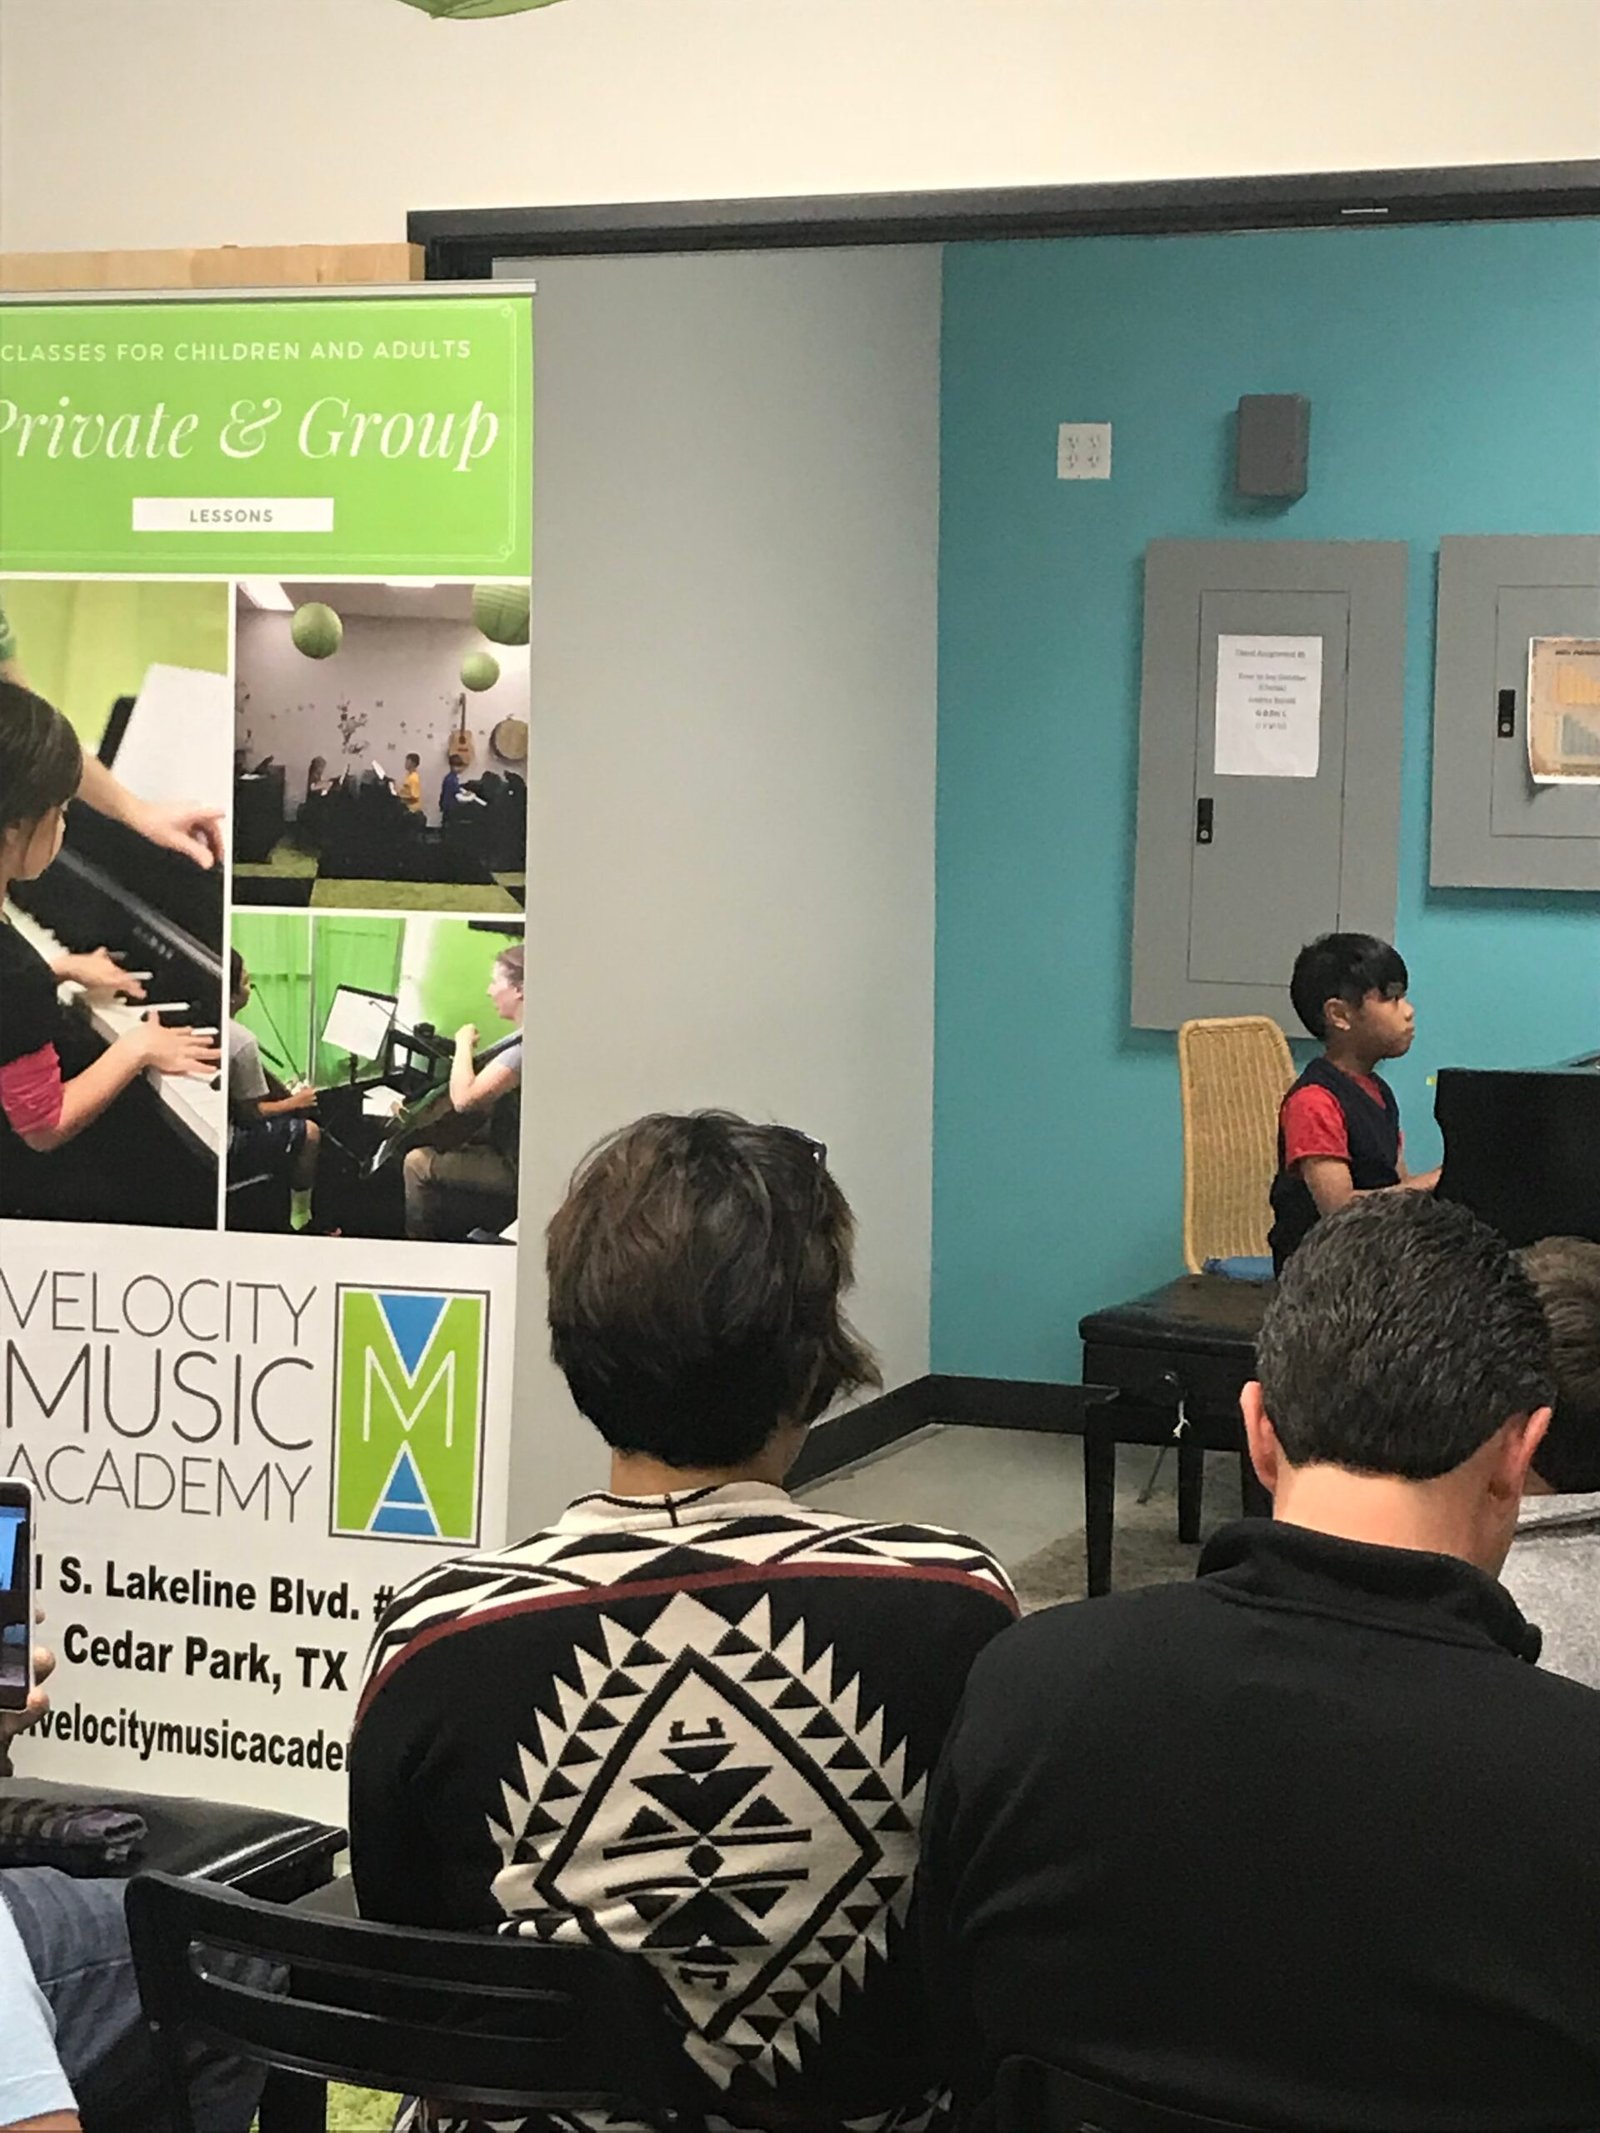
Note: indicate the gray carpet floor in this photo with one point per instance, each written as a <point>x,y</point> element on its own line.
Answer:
<point>1146,1551</point>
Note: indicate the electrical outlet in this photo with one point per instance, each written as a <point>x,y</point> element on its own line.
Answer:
<point>1083,451</point>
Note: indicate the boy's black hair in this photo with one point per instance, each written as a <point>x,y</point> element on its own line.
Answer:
<point>1344,966</point>
<point>235,968</point>
<point>1566,1273</point>
<point>41,759</point>
<point>1402,1335</point>
<point>413,758</point>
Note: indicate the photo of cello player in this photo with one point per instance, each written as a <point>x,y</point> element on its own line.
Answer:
<point>463,1176</point>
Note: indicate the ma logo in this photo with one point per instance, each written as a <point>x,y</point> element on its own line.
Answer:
<point>408,1414</point>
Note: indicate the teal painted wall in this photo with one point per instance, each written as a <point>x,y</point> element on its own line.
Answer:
<point>1454,375</point>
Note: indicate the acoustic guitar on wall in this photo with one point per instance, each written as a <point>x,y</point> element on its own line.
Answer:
<point>460,748</point>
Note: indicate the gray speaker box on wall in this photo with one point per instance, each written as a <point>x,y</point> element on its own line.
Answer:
<point>1273,445</point>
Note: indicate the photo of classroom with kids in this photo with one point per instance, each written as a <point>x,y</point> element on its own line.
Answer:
<point>374,1075</point>
<point>380,749</point>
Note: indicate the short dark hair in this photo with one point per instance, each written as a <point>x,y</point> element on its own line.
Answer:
<point>696,1270</point>
<point>41,758</point>
<point>1402,1335</point>
<point>413,758</point>
<point>1344,966</point>
<point>1566,1273</point>
<point>235,968</point>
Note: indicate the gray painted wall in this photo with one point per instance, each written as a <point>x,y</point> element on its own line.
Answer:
<point>730,888</point>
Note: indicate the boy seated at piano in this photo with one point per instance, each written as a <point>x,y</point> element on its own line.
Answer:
<point>453,791</point>
<point>272,1131</point>
<point>1339,1126</point>
<point>52,1122</point>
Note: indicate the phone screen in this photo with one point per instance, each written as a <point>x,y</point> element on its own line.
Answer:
<point>16,1595</point>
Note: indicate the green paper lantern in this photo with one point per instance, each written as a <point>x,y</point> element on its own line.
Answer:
<point>474,10</point>
<point>316,630</point>
<point>501,612</point>
<point>479,671</point>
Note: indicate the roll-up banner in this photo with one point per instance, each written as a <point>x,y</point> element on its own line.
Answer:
<point>267,562</point>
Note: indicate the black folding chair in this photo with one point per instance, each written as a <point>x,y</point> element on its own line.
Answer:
<point>498,2025</point>
<point>1031,2097</point>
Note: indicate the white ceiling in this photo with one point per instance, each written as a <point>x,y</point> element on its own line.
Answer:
<point>447,603</point>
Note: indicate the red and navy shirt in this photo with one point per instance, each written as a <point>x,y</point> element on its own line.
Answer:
<point>1351,1118</point>
<point>698,1728</point>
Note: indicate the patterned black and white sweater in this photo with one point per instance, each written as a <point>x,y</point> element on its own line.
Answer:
<point>699,1727</point>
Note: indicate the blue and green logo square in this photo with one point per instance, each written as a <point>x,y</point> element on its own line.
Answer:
<point>410,1370</point>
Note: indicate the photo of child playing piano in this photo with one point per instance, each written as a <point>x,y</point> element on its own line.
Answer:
<point>78,1108</point>
<point>375,1075</point>
<point>124,924</point>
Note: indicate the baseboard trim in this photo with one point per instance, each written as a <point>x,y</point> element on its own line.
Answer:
<point>1010,1403</point>
<point>975,1403</point>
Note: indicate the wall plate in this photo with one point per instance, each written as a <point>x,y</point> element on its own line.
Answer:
<point>1083,451</point>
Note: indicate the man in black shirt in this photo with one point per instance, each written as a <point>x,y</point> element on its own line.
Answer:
<point>1310,1842</point>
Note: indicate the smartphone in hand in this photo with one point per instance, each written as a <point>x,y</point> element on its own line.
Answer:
<point>16,1595</point>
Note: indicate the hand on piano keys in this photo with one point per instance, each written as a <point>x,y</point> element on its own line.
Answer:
<point>192,1053</point>
<point>99,971</point>
<point>199,1112</point>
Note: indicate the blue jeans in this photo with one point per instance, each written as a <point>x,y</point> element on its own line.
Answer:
<point>77,1940</point>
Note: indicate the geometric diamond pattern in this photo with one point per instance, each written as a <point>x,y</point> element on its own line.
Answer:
<point>586,1552</point>
<point>759,1860</point>
<point>702,1830</point>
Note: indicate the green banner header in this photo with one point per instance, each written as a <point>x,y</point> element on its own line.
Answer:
<point>309,436</point>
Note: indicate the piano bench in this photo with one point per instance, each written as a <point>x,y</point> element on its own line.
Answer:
<point>1171,1365</point>
<point>275,1857</point>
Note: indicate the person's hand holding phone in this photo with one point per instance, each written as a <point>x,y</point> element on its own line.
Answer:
<point>13,1723</point>
<point>19,1706</point>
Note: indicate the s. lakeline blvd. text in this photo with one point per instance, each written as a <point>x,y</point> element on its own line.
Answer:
<point>199,1587</point>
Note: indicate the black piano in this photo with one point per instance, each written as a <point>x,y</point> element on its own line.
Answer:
<point>155,911</point>
<point>1522,1147</point>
